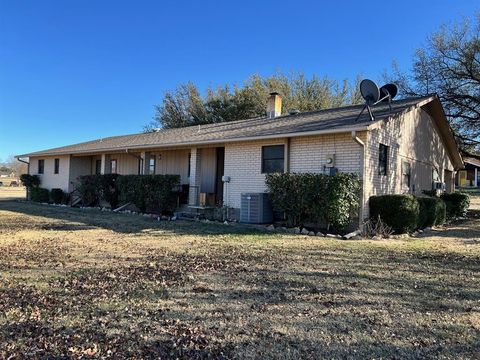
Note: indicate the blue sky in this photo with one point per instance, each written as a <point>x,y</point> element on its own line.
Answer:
<point>72,71</point>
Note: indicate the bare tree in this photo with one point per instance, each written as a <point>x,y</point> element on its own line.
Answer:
<point>449,65</point>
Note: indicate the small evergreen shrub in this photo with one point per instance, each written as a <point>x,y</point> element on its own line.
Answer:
<point>57,196</point>
<point>38,194</point>
<point>149,192</point>
<point>432,212</point>
<point>315,198</point>
<point>457,204</point>
<point>30,181</point>
<point>400,212</point>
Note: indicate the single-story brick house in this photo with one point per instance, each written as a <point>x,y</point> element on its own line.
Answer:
<point>406,148</point>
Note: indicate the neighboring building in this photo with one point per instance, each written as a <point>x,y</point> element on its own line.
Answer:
<point>470,176</point>
<point>409,148</point>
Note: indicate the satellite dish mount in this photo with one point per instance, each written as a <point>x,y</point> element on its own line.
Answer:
<point>374,95</point>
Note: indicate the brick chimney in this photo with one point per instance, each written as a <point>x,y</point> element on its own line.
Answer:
<point>274,105</point>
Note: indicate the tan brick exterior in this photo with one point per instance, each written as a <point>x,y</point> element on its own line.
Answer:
<point>243,160</point>
<point>411,138</point>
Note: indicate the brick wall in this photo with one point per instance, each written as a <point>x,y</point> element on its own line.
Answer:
<point>412,138</point>
<point>243,160</point>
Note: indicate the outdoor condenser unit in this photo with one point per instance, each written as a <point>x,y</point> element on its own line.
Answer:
<point>255,208</point>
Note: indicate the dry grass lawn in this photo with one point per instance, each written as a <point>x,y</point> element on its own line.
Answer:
<point>88,284</point>
<point>11,193</point>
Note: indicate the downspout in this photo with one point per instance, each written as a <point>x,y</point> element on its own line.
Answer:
<point>362,195</point>
<point>140,169</point>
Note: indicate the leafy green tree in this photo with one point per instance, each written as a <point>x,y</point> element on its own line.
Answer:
<point>185,106</point>
<point>449,65</point>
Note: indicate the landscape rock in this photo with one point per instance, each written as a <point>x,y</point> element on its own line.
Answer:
<point>270,227</point>
<point>304,231</point>
<point>311,233</point>
<point>296,230</point>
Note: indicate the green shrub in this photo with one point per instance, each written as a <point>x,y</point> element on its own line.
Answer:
<point>432,212</point>
<point>57,196</point>
<point>457,204</point>
<point>149,192</point>
<point>94,188</point>
<point>400,212</point>
<point>90,189</point>
<point>39,195</point>
<point>316,198</point>
<point>109,190</point>
<point>30,181</point>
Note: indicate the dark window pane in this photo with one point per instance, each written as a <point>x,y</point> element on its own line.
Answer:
<point>41,166</point>
<point>273,159</point>
<point>382,159</point>
<point>56,168</point>
<point>273,152</point>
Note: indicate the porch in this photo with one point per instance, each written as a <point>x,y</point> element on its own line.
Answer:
<point>200,169</point>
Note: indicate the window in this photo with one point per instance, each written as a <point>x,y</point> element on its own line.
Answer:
<point>56,167</point>
<point>406,175</point>
<point>41,166</point>
<point>113,166</point>
<point>151,165</point>
<point>382,159</point>
<point>98,167</point>
<point>273,159</point>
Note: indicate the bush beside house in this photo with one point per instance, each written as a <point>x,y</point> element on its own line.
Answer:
<point>147,192</point>
<point>457,204</point>
<point>405,213</point>
<point>400,212</point>
<point>315,198</point>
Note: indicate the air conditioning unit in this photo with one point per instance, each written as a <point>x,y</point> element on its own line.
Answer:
<point>438,185</point>
<point>255,208</point>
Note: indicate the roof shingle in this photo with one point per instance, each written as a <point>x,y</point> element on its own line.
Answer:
<point>328,120</point>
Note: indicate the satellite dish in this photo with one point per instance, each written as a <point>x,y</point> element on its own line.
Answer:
<point>370,91</point>
<point>388,92</point>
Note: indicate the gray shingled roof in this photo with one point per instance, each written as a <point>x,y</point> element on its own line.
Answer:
<point>342,119</point>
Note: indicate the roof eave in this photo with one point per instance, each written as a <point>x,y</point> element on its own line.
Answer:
<point>196,143</point>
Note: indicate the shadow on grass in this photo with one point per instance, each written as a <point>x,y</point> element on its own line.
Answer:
<point>71,219</point>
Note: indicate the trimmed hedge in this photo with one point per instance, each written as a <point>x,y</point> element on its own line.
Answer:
<point>457,204</point>
<point>38,194</point>
<point>405,213</point>
<point>400,212</point>
<point>90,189</point>
<point>149,192</point>
<point>432,212</point>
<point>57,196</point>
<point>315,198</point>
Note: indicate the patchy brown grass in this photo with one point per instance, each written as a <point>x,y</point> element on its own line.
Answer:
<point>11,193</point>
<point>89,284</point>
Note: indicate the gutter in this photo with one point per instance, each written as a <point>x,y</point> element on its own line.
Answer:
<point>362,196</point>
